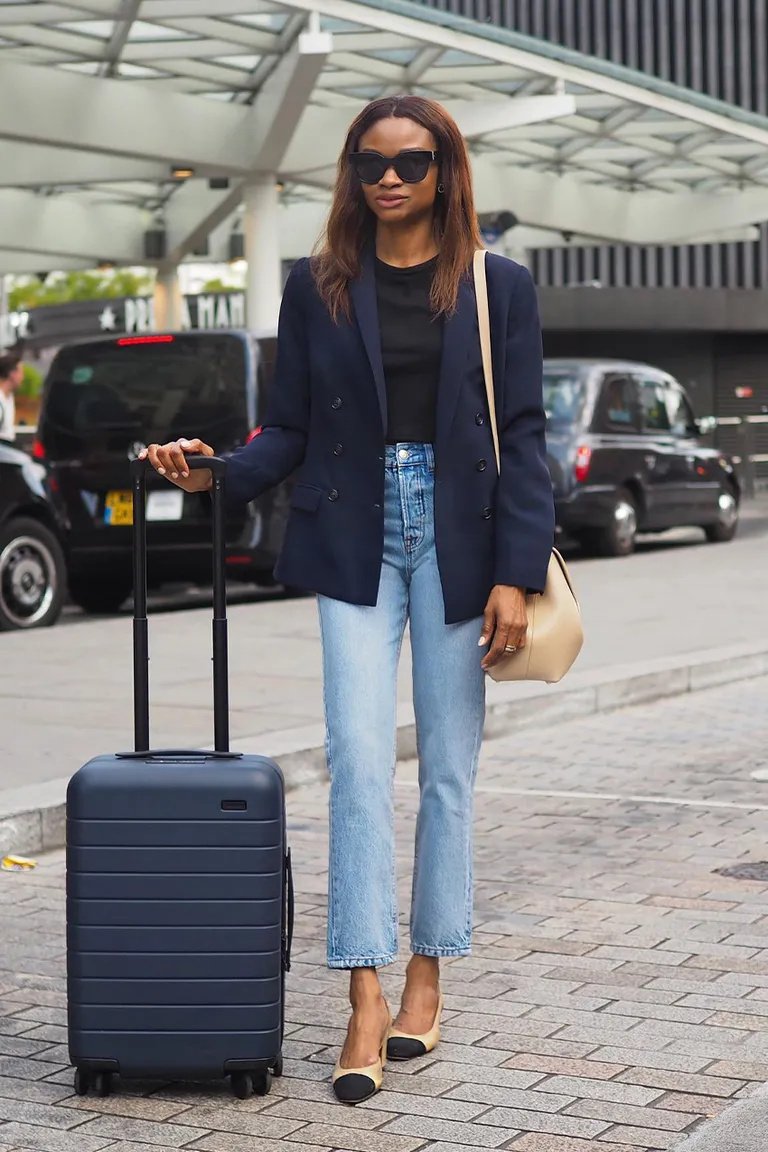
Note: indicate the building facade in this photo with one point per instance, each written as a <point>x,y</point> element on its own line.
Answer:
<point>700,310</point>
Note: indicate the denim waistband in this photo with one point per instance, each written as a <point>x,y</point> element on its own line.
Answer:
<point>410,456</point>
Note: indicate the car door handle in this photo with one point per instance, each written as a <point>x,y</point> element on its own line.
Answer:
<point>650,461</point>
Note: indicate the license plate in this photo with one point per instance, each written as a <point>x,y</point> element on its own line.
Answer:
<point>165,505</point>
<point>118,508</point>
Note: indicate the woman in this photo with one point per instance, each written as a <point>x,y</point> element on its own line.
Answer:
<point>398,515</point>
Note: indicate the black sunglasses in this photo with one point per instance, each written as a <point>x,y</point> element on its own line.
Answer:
<point>411,165</point>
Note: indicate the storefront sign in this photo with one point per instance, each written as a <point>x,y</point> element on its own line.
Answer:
<point>83,319</point>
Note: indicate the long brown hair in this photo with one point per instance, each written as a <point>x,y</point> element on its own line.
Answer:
<point>351,225</point>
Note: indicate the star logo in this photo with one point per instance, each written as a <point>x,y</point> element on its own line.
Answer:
<point>108,319</point>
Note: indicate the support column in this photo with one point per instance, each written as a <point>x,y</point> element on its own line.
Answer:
<point>167,300</point>
<point>263,278</point>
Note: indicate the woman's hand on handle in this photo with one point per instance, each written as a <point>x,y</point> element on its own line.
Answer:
<point>169,460</point>
<point>505,623</point>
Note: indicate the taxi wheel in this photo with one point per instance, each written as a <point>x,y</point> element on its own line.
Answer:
<point>724,528</point>
<point>32,574</point>
<point>617,538</point>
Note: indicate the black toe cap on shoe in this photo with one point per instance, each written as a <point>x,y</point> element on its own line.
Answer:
<point>403,1048</point>
<point>353,1088</point>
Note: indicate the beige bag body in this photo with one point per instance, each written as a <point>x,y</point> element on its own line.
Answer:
<point>555,633</point>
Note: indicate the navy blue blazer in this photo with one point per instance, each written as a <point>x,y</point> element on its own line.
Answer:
<point>327,417</point>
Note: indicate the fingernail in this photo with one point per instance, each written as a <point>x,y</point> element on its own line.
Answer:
<point>161,471</point>
<point>174,475</point>
<point>481,642</point>
<point>184,443</point>
<point>143,454</point>
<point>185,473</point>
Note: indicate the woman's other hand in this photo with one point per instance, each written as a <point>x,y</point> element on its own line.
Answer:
<point>169,460</point>
<point>505,623</point>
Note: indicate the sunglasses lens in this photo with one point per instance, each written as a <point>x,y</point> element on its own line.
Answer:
<point>369,167</point>
<point>412,167</point>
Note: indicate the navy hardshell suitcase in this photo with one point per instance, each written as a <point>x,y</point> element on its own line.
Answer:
<point>179,892</point>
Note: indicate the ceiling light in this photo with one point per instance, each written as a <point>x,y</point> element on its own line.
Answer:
<point>181,172</point>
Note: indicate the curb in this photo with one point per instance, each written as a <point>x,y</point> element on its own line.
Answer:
<point>740,1128</point>
<point>33,819</point>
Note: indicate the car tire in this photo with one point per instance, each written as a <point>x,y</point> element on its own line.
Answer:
<point>100,595</point>
<point>32,575</point>
<point>618,537</point>
<point>727,523</point>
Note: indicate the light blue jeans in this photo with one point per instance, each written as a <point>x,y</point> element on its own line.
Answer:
<point>361,650</point>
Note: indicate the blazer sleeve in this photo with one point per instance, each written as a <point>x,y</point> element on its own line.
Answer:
<point>280,447</point>
<point>525,514</point>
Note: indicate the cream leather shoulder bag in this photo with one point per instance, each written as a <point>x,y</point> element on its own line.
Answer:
<point>555,634</point>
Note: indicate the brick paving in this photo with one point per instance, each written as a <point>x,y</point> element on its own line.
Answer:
<point>616,999</point>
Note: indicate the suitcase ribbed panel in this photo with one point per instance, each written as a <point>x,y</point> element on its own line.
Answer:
<point>177,861</point>
<point>176,992</point>
<point>207,886</point>
<point>175,913</point>
<point>166,966</point>
<point>123,913</point>
<point>169,833</point>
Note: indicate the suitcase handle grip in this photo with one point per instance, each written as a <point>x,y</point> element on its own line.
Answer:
<point>181,753</point>
<point>291,910</point>
<point>139,469</point>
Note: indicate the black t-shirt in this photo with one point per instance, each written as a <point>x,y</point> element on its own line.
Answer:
<point>411,350</point>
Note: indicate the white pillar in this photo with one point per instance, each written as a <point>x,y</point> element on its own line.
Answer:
<point>263,280</point>
<point>167,300</point>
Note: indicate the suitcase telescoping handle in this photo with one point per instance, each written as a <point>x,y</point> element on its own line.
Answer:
<point>140,627</point>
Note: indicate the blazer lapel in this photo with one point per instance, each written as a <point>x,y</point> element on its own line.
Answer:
<point>460,335</point>
<point>363,294</point>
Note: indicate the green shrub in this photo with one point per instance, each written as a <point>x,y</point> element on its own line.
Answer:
<point>32,382</point>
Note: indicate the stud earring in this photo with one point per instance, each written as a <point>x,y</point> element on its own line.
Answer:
<point>441,188</point>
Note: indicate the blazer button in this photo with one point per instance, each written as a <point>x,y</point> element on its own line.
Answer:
<point>337,451</point>
<point>336,403</point>
<point>479,418</point>
<point>481,465</point>
<point>487,513</point>
<point>333,494</point>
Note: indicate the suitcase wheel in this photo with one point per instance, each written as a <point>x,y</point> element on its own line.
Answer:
<point>102,1083</point>
<point>246,1084</point>
<point>277,1067</point>
<point>242,1085</point>
<point>262,1083</point>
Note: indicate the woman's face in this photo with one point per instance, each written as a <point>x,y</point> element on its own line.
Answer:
<point>392,200</point>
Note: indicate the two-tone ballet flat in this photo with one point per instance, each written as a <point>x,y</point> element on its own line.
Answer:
<point>353,1085</point>
<point>404,1046</point>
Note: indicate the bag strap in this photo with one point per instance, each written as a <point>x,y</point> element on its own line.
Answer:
<point>484,325</point>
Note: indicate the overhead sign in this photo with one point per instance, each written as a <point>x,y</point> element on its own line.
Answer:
<point>61,323</point>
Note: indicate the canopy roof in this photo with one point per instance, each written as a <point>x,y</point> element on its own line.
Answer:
<point>100,98</point>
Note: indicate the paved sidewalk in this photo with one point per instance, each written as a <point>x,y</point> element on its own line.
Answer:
<point>65,692</point>
<point>617,995</point>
